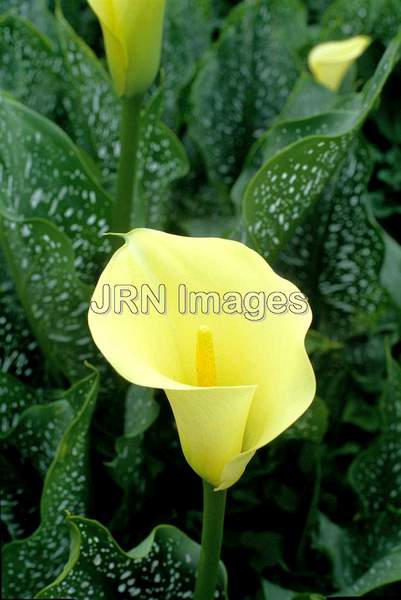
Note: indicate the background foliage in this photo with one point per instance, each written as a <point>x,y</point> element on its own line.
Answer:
<point>236,141</point>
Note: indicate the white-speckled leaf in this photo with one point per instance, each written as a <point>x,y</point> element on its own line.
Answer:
<point>244,82</point>
<point>29,65</point>
<point>36,11</point>
<point>15,397</point>
<point>32,563</point>
<point>94,112</point>
<point>378,18</point>
<point>32,425</point>
<point>162,566</point>
<point>39,432</point>
<point>337,253</point>
<point>55,301</point>
<point>383,572</point>
<point>376,473</point>
<point>89,100</point>
<point>162,160</point>
<point>185,40</point>
<point>359,551</point>
<point>300,157</point>
<point>19,352</point>
<point>43,175</point>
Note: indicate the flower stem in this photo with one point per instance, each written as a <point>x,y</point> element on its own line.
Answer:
<point>124,206</point>
<point>214,504</point>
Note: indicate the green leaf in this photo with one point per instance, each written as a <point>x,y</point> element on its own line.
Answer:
<point>162,566</point>
<point>141,410</point>
<point>15,397</point>
<point>317,7</point>
<point>378,18</point>
<point>55,301</point>
<point>39,159</point>
<point>32,425</point>
<point>39,432</point>
<point>19,353</point>
<point>29,66</point>
<point>317,343</point>
<point>235,99</point>
<point>308,98</point>
<point>162,160</point>
<point>185,40</point>
<point>384,571</point>
<point>128,468</point>
<point>32,563</point>
<point>19,497</point>
<point>360,413</point>
<point>272,591</point>
<point>376,473</point>
<point>92,107</point>
<point>390,403</point>
<point>391,272</point>
<point>300,157</point>
<point>36,11</point>
<point>354,551</point>
<point>265,548</point>
<point>337,254</point>
<point>312,425</point>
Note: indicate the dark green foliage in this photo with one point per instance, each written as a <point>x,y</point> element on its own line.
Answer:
<point>237,141</point>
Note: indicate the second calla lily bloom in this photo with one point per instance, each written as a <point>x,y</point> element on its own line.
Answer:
<point>330,61</point>
<point>132,31</point>
<point>235,378</point>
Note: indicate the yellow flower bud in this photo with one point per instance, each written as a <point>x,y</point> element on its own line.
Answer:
<point>133,31</point>
<point>330,61</point>
<point>223,336</point>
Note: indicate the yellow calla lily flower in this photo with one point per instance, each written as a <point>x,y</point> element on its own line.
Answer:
<point>132,31</point>
<point>330,61</point>
<point>222,334</point>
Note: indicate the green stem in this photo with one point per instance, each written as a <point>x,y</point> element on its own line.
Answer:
<point>127,168</point>
<point>214,504</point>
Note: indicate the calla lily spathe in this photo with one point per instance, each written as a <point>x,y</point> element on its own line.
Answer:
<point>330,61</point>
<point>132,31</point>
<point>233,384</point>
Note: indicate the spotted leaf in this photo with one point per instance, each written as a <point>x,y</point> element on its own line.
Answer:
<point>357,554</point>
<point>19,352</point>
<point>337,253</point>
<point>29,65</point>
<point>378,18</point>
<point>55,301</point>
<point>36,11</point>
<point>32,563</point>
<point>162,566</point>
<point>376,473</point>
<point>185,40</point>
<point>300,157</point>
<point>244,82</point>
<point>43,175</point>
